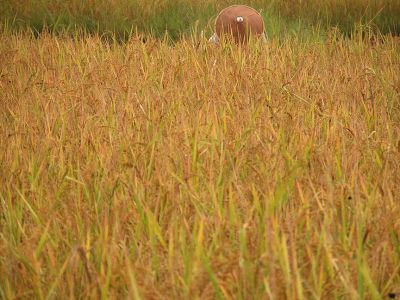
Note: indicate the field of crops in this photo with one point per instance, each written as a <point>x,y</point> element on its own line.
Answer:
<point>155,170</point>
<point>183,17</point>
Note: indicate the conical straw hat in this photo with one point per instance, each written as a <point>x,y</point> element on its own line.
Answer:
<point>239,22</point>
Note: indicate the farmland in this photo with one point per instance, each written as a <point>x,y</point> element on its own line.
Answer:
<point>158,167</point>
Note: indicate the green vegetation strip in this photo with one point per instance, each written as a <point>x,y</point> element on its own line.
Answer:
<point>183,17</point>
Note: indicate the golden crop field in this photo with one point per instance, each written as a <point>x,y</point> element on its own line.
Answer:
<point>192,171</point>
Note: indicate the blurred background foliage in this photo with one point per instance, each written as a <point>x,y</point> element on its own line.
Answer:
<point>119,18</point>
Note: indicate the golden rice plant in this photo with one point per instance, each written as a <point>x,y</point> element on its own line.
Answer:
<point>189,171</point>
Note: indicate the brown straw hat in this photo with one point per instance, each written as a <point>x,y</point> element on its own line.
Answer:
<point>239,22</point>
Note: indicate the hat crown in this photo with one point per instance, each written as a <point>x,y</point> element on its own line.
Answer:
<point>239,22</point>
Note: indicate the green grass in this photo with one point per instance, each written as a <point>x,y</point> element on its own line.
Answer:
<point>182,17</point>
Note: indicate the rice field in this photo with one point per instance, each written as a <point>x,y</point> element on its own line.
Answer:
<point>118,18</point>
<point>148,169</point>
